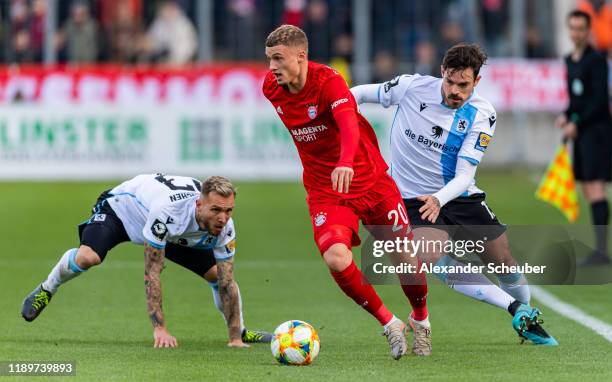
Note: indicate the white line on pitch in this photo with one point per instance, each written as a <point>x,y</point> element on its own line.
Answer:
<point>573,313</point>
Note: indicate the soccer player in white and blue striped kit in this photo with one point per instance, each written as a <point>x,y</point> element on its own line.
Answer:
<point>440,132</point>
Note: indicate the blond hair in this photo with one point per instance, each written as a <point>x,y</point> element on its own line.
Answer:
<point>219,185</point>
<point>288,35</point>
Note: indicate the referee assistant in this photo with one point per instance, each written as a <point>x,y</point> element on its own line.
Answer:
<point>587,121</point>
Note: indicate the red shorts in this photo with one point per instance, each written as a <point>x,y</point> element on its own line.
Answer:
<point>381,205</point>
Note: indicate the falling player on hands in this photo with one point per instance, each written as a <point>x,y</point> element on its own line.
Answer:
<point>441,131</point>
<point>174,217</point>
<point>344,175</point>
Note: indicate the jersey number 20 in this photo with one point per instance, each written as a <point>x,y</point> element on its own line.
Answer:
<point>396,215</point>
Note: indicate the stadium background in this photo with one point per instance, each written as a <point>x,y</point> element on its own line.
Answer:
<point>92,92</point>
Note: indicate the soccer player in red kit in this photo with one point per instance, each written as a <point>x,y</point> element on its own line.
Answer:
<point>345,176</point>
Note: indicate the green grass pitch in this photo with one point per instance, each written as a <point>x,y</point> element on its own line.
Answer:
<point>99,320</point>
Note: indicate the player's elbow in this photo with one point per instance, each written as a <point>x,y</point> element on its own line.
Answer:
<point>465,180</point>
<point>465,185</point>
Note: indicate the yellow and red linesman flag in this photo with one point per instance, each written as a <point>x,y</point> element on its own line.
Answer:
<point>558,186</point>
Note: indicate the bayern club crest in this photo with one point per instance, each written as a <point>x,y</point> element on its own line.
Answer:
<point>312,112</point>
<point>320,219</point>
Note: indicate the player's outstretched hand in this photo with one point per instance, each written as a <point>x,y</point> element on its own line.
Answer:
<point>430,208</point>
<point>341,179</point>
<point>237,343</point>
<point>163,339</point>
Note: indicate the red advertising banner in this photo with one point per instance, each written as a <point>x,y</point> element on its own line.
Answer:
<point>510,85</point>
<point>199,85</point>
<point>525,85</point>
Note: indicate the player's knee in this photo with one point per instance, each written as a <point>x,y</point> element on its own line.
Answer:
<point>596,192</point>
<point>211,274</point>
<point>498,251</point>
<point>335,245</point>
<point>87,257</point>
<point>334,234</point>
<point>338,257</point>
<point>426,253</point>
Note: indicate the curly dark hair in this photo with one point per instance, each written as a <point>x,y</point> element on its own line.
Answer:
<point>463,56</point>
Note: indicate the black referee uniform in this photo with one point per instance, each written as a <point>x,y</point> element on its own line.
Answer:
<point>587,81</point>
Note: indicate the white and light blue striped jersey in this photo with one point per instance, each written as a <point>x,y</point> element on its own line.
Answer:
<point>427,137</point>
<point>160,208</point>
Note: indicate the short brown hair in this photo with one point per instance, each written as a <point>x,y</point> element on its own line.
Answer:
<point>219,185</point>
<point>288,35</point>
<point>463,56</point>
<point>577,13</point>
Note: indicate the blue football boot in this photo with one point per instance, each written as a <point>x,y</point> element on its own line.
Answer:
<point>527,323</point>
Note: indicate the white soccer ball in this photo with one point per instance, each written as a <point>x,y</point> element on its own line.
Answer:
<point>295,343</point>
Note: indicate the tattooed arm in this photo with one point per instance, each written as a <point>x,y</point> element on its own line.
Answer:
<point>228,291</point>
<point>154,264</point>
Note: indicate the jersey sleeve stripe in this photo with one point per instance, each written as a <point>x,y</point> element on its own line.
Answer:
<point>221,256</point>
<point>155,245</point>
<point>471,160</point>
<point>133,196</point>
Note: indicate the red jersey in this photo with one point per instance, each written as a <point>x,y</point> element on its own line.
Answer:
<point>311,118</point>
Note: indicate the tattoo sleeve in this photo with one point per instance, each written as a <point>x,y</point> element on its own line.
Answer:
<point>436,200</point>
<point>228,291</point>
<point>154,264</point>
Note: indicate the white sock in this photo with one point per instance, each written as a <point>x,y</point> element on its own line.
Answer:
<point>219,304</point>
<point>515,284</point>
<point>474,285</point>
<point>391,321</point>
<point>65,269</point>
<point>424,322</point>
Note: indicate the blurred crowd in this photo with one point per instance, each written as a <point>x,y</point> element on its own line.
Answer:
<point>412,34</point>
<point>91,31</point>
